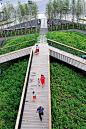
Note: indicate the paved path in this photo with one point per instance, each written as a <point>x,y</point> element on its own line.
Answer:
<point>39,66</point>
<point>43,29</point>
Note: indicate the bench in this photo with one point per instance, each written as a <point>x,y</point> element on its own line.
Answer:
<point>83,56</point>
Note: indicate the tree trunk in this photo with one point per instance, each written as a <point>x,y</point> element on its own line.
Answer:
<point>65,20</point>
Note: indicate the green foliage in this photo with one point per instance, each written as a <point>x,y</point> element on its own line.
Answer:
<point>19,32</point>
<point>73,39</point>
<point>17,41</point>
<point>68,92</point>
<point>66,27</point>
<point>11,85</point>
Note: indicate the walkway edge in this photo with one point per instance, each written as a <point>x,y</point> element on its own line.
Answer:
<point>49,91</point>
<point>18,121</point>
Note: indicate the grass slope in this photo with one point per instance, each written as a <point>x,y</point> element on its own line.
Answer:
<point>68,97</point>
<point>11,85</point>
<point>17,41</point>
<point>70,38</point>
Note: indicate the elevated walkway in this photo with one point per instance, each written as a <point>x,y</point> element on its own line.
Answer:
<point>14,55</point>
<point>39,66</point>
<point>68,58</point>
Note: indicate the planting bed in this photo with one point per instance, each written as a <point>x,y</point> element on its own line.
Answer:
<point>11,86</point>
<point>66,27</point>
<point>70,38</point>
<point>19,32</point>
<point>17,41</point>
<point>68,97</point>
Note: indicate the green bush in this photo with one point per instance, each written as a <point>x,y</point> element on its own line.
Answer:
<point>67,87</point>
<point>73,39</point>
<point>11,86</point>
<point>17,41</point>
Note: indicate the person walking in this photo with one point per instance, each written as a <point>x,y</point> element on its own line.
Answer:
<point>38,81</point>
<point>42,80</point>
<point>34,96</point>
<point>40,110</point>
<point>37,49</point>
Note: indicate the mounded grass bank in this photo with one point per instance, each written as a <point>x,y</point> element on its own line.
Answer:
<point>68,97</point>
<point>70,38</point>
<point>14,41</point>
<point>11,86</point>
<point>10,42</point>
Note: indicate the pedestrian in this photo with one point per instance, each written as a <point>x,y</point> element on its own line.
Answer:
<point>42,80</point>
<point>40,110</point>
<point>34,96</point>
<point>37,49</point>
<point>38,81</point>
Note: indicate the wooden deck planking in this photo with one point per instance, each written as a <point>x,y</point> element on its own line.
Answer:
<point>15,54</point>
<point>68,58</point>
<point>39,66</point>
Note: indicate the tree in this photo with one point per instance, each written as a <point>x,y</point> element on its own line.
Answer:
<point>21,13</point>
<point>78,10</point>
<point>35,12</point>
<point>8,12</point>
<point>26,13</point>
<point>73,9</point>
<point>49,11</point>
<point>66,9</point>
<point>61,6</point>
<point>55,10</point>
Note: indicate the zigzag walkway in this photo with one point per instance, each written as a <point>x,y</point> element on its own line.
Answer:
<point>39,66</point>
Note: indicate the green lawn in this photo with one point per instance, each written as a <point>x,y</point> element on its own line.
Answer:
<point>70,38</point>
<point>11,86</point>
<point>17,41</point>
<point>68,97</point>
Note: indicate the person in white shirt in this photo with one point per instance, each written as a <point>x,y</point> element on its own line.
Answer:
<point>37,48</point>
<point>34,96</point>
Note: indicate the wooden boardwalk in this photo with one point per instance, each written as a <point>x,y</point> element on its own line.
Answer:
<point>15,54</point>
<point>68,58</point>
<point>39,66</point>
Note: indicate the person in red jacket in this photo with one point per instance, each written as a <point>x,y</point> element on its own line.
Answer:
<point>42,80</point>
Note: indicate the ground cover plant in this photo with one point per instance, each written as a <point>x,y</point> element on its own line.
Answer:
<point>68,97</point>
<point>70,38</point>
<point>17,41</point>
<point>11,86</point>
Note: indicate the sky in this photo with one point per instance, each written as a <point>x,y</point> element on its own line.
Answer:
<point>41,3</point>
